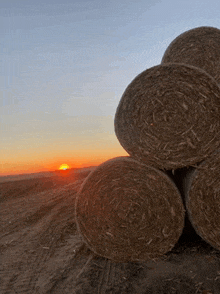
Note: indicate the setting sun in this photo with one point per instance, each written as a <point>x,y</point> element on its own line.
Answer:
<point>64,166</point>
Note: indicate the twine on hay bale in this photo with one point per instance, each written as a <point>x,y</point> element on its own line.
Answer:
<point>202,198</point>
<point>199,47</point>
<point>169,116</point>
<point>127,211</point>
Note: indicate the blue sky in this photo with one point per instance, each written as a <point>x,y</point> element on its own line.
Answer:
<point>65,67</point>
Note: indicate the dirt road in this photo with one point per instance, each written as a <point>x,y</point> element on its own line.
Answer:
<point>41,251</point>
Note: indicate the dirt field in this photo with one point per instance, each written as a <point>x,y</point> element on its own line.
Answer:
<point>41,251</point>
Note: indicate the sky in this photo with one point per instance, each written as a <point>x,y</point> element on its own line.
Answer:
<point>65,66</point>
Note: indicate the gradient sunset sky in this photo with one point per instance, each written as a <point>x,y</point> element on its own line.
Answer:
<point>66,64</point>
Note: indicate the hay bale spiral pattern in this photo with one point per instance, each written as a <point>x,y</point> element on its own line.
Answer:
<point>169,116</point>
<point>199,47</point>
<point>203,200</point>
<point>127,211</point>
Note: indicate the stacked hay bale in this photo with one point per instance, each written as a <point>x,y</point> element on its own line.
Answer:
<point>200,47</point>
<point>168,116</point>
<point>129,209</point>
<point>201,190</point>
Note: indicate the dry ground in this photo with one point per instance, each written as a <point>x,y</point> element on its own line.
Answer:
<point>41,251</point>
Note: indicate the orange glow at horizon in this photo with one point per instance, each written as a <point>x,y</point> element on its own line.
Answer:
<point>34,162</point>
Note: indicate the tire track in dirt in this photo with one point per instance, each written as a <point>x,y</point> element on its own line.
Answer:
<point>40,213</point>
<point>47,255</point>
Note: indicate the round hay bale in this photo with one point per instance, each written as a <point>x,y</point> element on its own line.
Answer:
<point>181,178</point>
<point>199,47</point>
<point>127,211</point>
<point>169,116</point>
<point>203,200</point>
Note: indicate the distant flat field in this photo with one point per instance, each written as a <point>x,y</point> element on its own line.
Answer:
<point>39,175</point>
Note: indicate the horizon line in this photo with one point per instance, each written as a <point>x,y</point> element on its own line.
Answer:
<point>44,172</point>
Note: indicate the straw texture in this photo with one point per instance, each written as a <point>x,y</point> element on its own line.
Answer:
<point>203,200</point>
<point>169,116</point>
<point>127,211</point>
<point>199,47</point>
